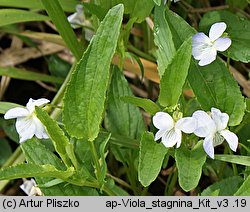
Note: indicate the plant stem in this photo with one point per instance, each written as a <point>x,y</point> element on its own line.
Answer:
<point>140,53</point>
<point>95,159</point>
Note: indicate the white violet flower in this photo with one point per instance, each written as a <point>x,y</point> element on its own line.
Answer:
<point>27,124</point>
<point>169,130</point>
<point>77,19</point>
<point>213,129</point>
<point>205,48</point>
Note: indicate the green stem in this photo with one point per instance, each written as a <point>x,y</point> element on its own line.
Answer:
<point>140,53</point>
<point>95,159</point>
<point>172,183</point>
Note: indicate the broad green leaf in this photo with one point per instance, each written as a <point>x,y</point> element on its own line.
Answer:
<point>5,106</point>
<point>56,13</point>
<point>222,187</point>
<point>151,157</point>
<point>122,118</point>
<point>5,151</point>
<point>33,170</point>
<point>12,16</point>
<point>237,159</point>
<point>213,85</point>
<point>37,153</point>
<point>189,164</point>
<point>175,75</point>
<point>148,105</point>
<point>163,40</point>
<point>68,6</point>
<point>86,92</point>
<point>61,143</point>
<point>28,75</point>
<point>238,30</point>
<point>244,190</point>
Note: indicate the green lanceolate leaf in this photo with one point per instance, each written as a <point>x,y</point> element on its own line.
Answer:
<point>189,164</point>
<point>86,92</point>
<point>244,190</point>
<point>56,13</point>
<point>61,143</point>
<point>151,157</point>
<point>163,40</point>
<point>122,118</point>
<point>213,85</point>
<point>28,75</point>
<point>175,75</point>
<point>237,159</point>
<point>33,170</point>
<point>238,30</point>
<point>12,16</point>
<point>221,188</point>
<point>148,105</point>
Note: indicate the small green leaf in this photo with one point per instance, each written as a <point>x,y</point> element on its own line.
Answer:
<point>148,105</point>
<point>175,75</point>
<point>5,106</point>
<point>86,92</point>
<point>163,40</point>
<point>222,187</point>
<point>33,170</point>
<point>189,164</point>
<point>12,16</point>
<point>237,159</point>
<point>61,143</point>
<point>238,30</point>
<point>28,75</point>
<point>57,15</point>
<point>244,190</point>
<point>151,157</point>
